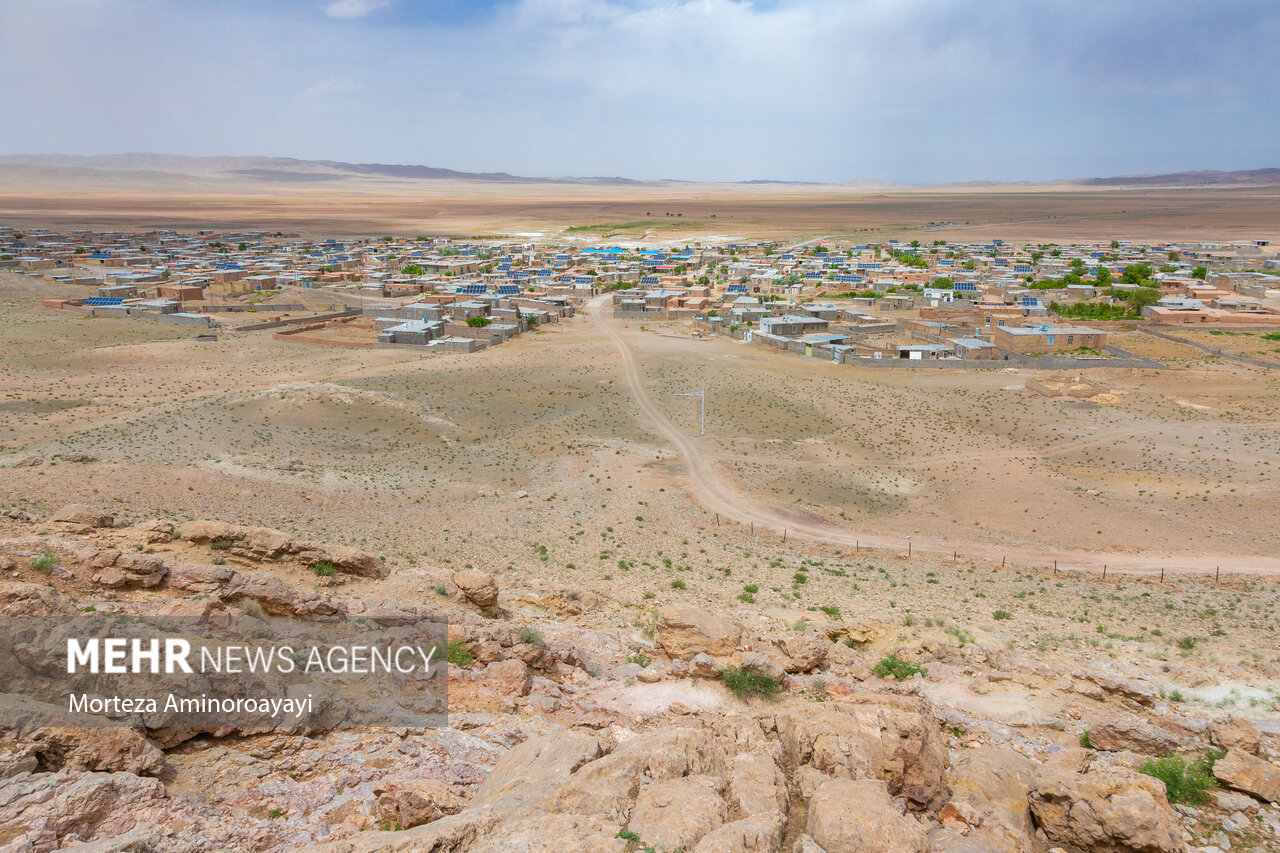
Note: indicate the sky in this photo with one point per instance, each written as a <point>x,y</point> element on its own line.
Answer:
<point>911,91</point>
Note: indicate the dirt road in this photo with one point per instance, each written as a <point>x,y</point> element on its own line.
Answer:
<point>709,488</point>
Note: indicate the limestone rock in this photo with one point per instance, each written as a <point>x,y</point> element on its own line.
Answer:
<point>1244,772</point>
<point>677,813</point>
<point>84,515</point>
<point>763,664</point>
<point>704,666</point>
<point>684,631</point>
<point>410,803</point>
<point>996,780</point>
<point>1107,810</point>
<point>477,587</point>
<point>902,748</point>
<point>69,803</point>
<point>801,652</point>
<point>107,749</point>
<point>1121,733</point>
<point>755,834</point>
<point>1235,733</point>
<point>857,816</point>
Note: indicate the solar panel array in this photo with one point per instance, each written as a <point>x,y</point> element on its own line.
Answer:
<point>474,289</point>
<point>102,301</point>
<point>508,290</point>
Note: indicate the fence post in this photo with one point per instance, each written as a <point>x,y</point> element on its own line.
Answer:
<point>1217,573</point>
<point>908,547</point>
<point>1104,571</point>
<point>1055,567</point>
<point>1162,574</point>
<point>784,536</point>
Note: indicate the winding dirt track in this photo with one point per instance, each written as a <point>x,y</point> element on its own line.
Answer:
<point>710,490</point>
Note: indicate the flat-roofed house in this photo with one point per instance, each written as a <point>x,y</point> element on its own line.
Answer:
<point>1043,339</point>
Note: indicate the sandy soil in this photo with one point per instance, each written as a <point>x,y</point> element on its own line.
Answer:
<point>655,212</point>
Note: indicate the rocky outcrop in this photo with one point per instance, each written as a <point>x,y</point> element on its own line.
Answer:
<point>264,543</point>
<point>46,810</point>
<point>1104,810</point>
<point>1121,733</point>
<point>410,803</point>
<point>81,515</point>
<point>685,631</point>
<point>1239,770</point>
<point>902,748</point>
<point>802,652</point>
<point>677,813</point>
<point>1234,732</point>
<point>994,781</point>
<point>857,816</point>
<point>106,749</point>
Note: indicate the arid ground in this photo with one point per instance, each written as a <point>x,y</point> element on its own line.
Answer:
<point>70,198</point>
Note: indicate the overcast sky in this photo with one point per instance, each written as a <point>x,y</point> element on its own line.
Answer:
<point>914,91</point>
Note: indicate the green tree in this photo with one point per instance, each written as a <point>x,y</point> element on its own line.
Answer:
<point>1104,277</point>
<point>1141,298</point>
<point>1200,273</point>
<point>1137,273</point>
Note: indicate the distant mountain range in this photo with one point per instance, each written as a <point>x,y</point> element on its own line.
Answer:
<point>268,170</point>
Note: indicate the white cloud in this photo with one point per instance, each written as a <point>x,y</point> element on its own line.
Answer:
<point>908,90</point>
<point>354,8</point>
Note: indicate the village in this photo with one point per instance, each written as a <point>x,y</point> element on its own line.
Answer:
<point>890,304</point>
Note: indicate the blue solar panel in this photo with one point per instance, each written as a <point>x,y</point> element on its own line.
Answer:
<point>737,288</point>
<point>100,301</point>
<point>508,289</point>
<point>1030,300</point>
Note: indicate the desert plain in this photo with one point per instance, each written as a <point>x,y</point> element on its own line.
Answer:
<point>831,517</point>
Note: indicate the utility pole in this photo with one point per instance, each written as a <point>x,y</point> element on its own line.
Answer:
<point>702,396</point>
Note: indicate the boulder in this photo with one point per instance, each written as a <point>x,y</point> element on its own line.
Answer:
<point>477,587</point>
<point>858,816</point>
<point>508,676</point>
<point>1128,688</point>
<point>1243,772</point>
<point>1105,810</point>
<point>83,515</point>
<point>684,631</point>
<point>902,748</point>
<point>704,666</point>
<point>1129,733</point>
<point>1235,733</point>
<point>801,652</point>
<point>677,813</point>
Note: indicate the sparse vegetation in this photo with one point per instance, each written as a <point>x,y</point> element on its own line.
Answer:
<point>891,666</point>
<point>746,682</point>
<point>1184,781</point>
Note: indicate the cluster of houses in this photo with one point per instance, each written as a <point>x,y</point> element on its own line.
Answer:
<point>898,300</point>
